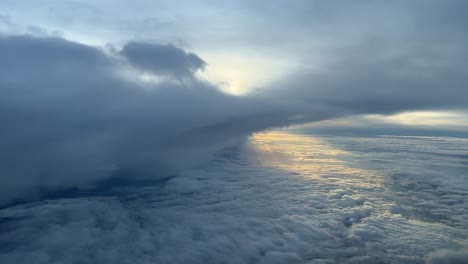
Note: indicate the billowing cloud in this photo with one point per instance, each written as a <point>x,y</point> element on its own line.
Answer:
<point>118,147</point>
<point>69,119</point>
<point>162,59</point>
<point>74,114</point>
<point>72,117</point>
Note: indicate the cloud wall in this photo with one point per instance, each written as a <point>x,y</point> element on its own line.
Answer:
<point>74,115</point>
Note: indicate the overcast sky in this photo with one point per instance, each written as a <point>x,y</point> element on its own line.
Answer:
<point>249,43</point>
<point>105,88</point>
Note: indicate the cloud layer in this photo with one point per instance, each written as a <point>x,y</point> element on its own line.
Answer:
<point>279,198</point>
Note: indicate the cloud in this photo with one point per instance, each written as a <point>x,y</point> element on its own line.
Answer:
<point>327,208</point>
<point>75,115</point>
<point>448,257</point>
<point>69,118</point>
<point>162,59</point>
<point>369,79</point>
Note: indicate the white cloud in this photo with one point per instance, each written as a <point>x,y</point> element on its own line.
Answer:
<point>235,211</point>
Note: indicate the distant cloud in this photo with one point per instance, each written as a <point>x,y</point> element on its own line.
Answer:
<point>162,59</point>
<point>370,79</point>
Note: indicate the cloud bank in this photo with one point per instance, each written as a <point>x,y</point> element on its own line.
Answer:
<point>74,115</point>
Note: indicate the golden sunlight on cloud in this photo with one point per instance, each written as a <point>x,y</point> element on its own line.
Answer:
<point>424,118</point>
<point>310,156</point>
<point>418,119</point>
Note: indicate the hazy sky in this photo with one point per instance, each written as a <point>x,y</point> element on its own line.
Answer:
<point>100,88</point>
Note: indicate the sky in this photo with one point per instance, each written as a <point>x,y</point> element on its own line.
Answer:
<point>248,45</point>
<point>99,93</point>
<point>109,87</point>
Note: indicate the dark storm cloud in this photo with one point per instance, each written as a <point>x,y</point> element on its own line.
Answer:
<point>162,59</point>
<point>70,119</point>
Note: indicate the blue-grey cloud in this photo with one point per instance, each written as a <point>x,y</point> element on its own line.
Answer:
<point>78,120</point>
<point>371,78</point>
<point>73,118</point>
<point>366,202</point>
<point>69,120</point>
<point>162,59</point>
<point>75,114</point>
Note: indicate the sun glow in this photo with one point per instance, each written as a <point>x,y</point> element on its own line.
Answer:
<point>425,118</point>
<point>310,156</point>
<point>240,72</point>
